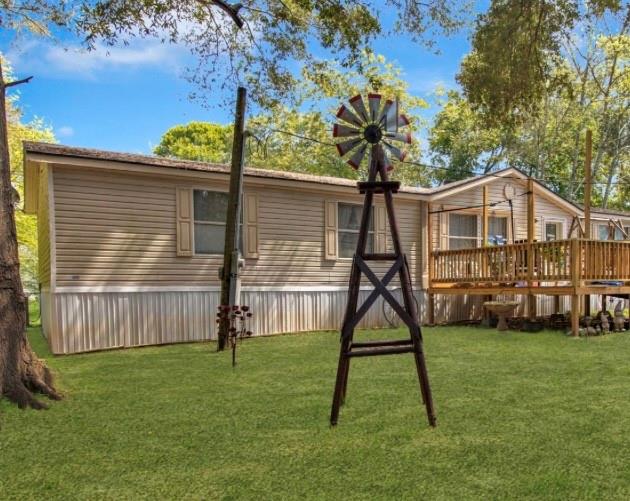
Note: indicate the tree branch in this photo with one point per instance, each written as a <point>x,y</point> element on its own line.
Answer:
<point>231,10</point>
<point>17,82</point>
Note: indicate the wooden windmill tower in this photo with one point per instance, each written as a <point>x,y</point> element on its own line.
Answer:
<point>375,129</point>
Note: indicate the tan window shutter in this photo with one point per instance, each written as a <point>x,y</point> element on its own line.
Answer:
<point>380,227</point>
<point>443,230</point>
<point>330,230</point>
<point>251,225</point>
<point>184,221</point>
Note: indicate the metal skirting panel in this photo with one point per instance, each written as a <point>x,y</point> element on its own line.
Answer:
<point>89,321</point>
<point>44,312</point>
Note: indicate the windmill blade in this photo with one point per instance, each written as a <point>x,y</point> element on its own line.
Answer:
<point>396,152</point>
<point>357,156</point>
<point>383,116</point>
<point>404,137</point>
<point>403,120</point>
<point>345,146</point>
<point>345,114</point>
<point>340,130</point>
<point>359,106</point>
<point>391,119</point>
<point>374,101</point>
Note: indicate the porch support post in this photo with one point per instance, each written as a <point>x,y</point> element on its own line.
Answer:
<point>588,178</point>
<point>484,243</point>
<point>430,296</point>
<point>576,266</point>
<point>575,315</point>
<point>484,223</point>
<point>531,230</point>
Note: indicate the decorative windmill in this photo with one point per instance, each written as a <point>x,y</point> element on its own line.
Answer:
<point>377,128</point>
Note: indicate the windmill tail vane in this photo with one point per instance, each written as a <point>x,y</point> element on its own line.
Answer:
<point>376,124</point>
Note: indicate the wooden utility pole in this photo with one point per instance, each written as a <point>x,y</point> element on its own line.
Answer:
<point>531,231</point>
<point>229,277</point>
<point>588,180</point>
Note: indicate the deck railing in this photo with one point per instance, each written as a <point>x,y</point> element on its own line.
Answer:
<point>559,260</point>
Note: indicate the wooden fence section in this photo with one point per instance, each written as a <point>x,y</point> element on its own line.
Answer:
<point>555,261</point>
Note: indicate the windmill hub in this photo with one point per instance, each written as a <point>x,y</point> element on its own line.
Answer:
<point>372,133</point>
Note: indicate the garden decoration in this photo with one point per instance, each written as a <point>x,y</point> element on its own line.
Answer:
<point>238,318</point>
<point>375,129</point>
<point>502,309</point>
<point>620,319</point>
<point>603,317</point>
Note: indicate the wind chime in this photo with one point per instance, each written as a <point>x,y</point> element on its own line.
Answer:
<point>375,128</point>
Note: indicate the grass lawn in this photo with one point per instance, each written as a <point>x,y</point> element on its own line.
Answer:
<point>519,416</point>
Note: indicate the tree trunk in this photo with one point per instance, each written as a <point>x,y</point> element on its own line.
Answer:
<point>21,372</point>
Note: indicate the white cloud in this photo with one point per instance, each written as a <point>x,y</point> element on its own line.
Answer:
<point>65,131</point>
<point>77,63</point>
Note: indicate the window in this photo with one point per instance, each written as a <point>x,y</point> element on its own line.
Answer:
<point>603,232</point>
<point>210,215</point>
<point>349,222</point>
<point>498,228</point>
<point>553,231</point>
<point>462,231</point>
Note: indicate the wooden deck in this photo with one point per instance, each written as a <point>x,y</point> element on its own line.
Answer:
<point>573,268</point>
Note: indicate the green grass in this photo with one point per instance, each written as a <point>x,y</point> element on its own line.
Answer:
<point>519,416</point>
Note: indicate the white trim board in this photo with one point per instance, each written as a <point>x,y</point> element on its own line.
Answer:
<point>104,289</point>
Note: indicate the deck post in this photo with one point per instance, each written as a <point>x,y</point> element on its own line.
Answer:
<point>576,268</point>
<point>575,315</point>
<point>484,223</point>
<point>588,179</point>
<point>531,230</point>
<point>430,296</point>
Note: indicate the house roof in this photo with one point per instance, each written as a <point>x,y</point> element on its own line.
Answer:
<point>606,212</point>
<point>34,151</point>
<point>151,160</point>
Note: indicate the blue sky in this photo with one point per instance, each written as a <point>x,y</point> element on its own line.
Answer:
<point>125,99</point>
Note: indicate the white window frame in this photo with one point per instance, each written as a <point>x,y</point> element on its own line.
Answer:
<point>508,225</point>
<point>559,227</point>
<point>371,233</point>
<point>479,229</point>
<point>210,223</point>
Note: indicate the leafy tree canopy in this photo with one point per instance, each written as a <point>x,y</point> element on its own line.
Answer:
<point>255,43</point>
<point>517,49</point>
<point>287,139</point>
<point>548,139</point>
<point>201,141</point>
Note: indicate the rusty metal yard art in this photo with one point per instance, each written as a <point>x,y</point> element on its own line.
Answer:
<point>238,319</point>
<point>375,128</point>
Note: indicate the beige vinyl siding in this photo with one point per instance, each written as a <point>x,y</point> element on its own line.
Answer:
<point>544,208</point>
<point>43,228</point>
<point>117,228</point>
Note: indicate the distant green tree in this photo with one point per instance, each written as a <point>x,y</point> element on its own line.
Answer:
<point>203,141</point>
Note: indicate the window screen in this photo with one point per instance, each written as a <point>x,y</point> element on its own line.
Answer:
<point>210,213</point>
<point>349,221</point>
<point>463,232</point>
